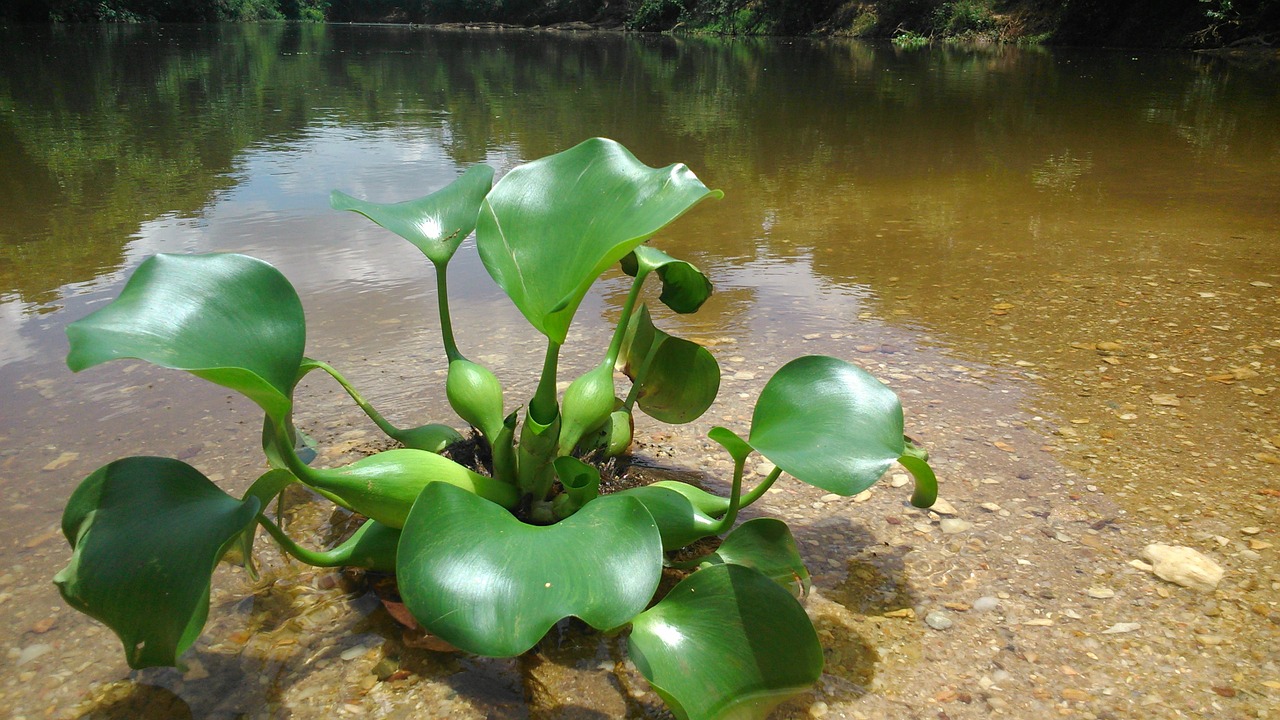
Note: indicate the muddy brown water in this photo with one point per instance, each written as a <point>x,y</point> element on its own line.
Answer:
<point>1067,263</point>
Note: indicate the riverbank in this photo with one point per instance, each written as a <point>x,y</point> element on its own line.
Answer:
<point>1087,23</point>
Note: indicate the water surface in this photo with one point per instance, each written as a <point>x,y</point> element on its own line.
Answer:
<point>1067,234</point>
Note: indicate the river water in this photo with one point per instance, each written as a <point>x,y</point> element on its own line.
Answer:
<point>1066,261</point>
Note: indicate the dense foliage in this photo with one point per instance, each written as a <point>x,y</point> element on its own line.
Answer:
<point>1077,22</point>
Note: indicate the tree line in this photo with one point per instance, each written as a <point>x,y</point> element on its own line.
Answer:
<point>1206,23</point>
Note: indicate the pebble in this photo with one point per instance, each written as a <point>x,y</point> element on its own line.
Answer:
<point>938,620</point>
<point>898,480</point>
<point>951,526</point>
<point>1100,593</point>
<point>818,709</point>
<point>985,603</point>
<point>942,507</point>
<point>31,652</point>
<point>990,507</point>
<point>1123,627</point>
<point>1183,566</point>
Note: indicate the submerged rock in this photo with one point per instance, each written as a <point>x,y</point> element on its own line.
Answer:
<point>1183,566</point>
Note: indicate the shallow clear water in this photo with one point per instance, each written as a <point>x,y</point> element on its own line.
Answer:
<point>950,217</point>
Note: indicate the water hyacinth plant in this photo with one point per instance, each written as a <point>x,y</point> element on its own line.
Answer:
<point>490,558</point>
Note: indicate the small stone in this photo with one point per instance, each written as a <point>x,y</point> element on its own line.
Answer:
<point>195,671</point>
<point>829,497</point>
<point>990,507</point>
<point>938,620</point>
<point>951,526</point>
<point>1183,566</point>
<point>1251,530</point>
<point>1211,640</point>
<point>1166,400</point>
<point>985,603</point>
<point>1123,627</point>
<point>61,461</point>
<point>1259,545</point>
<point>862,497</point>
<point>907,613</point>
<point>31,652</point>
<point>898,481</point>
<point>1107,346</point>
<point>818,709</point>
<point>352,653</point>
<point>1076,695</point>
<point>942,507</point>
<point>1100,593</point>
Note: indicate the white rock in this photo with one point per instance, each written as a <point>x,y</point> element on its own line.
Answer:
<point>942,507</point>
<point>1183,566</point>
<point>1121,628</point>
<point>951,526</point>
<point>898,480</point>
<point>985,603</point>
<point>1101,593</point>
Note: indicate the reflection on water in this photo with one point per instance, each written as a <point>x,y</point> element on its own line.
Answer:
<point>953,217</point>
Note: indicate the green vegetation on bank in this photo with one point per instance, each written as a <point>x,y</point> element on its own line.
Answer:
<point>1199,23</point>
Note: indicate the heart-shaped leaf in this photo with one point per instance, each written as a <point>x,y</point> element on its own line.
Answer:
<point>684,287</point>
<point>828,423</point>
<point>727,642</point>
<point>436,224</point>
<point>147,533</point>
<point>765,544</point>
<point>678,379</point>
<point>230,319</point>
<point>480,579</point>
<point>549,228</point>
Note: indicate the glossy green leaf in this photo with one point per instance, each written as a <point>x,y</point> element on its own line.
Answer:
<point>549,228</point>
<point>384,486</point>
<point>766,544</point>
<point>727,642</point>
<point>684,287</point>
<point>828,423</point>
<point>678,379</point>
<point>147,533</point>
<point>436,224</point>
<point>680,519</point>
<point>230,319</point>
<point>480,579</point>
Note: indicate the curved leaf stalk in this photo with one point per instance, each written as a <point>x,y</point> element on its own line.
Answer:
<point>926,487</point>
<point>624,320</point>
<point>383,424</point>
<point>446,320</point>
<point>759,490</point>
<point>735,497</point>
<point>543,407</point>
<point>503,450</point>
<point>384,486</point>
<point>373,546</point>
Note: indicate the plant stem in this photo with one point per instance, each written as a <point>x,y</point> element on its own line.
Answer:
<point>446,322</point>
<point>383,424</point>
<point>760,489</point>
<point>615,345</point>
<point>735,498</point>
<point>543,406</point>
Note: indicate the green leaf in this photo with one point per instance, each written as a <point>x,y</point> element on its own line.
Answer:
<point>436,224</point>
<point>147,533</point>
<point>727,642</point>
<point>549,228</point>
<point>474,575</point>
<point>678,379</point>
<point>230,319</point>
<point>679,516</point>
<point>765,544</point>
<point>828,423</point>
<point>265,489</point>
<point>684,287</point>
